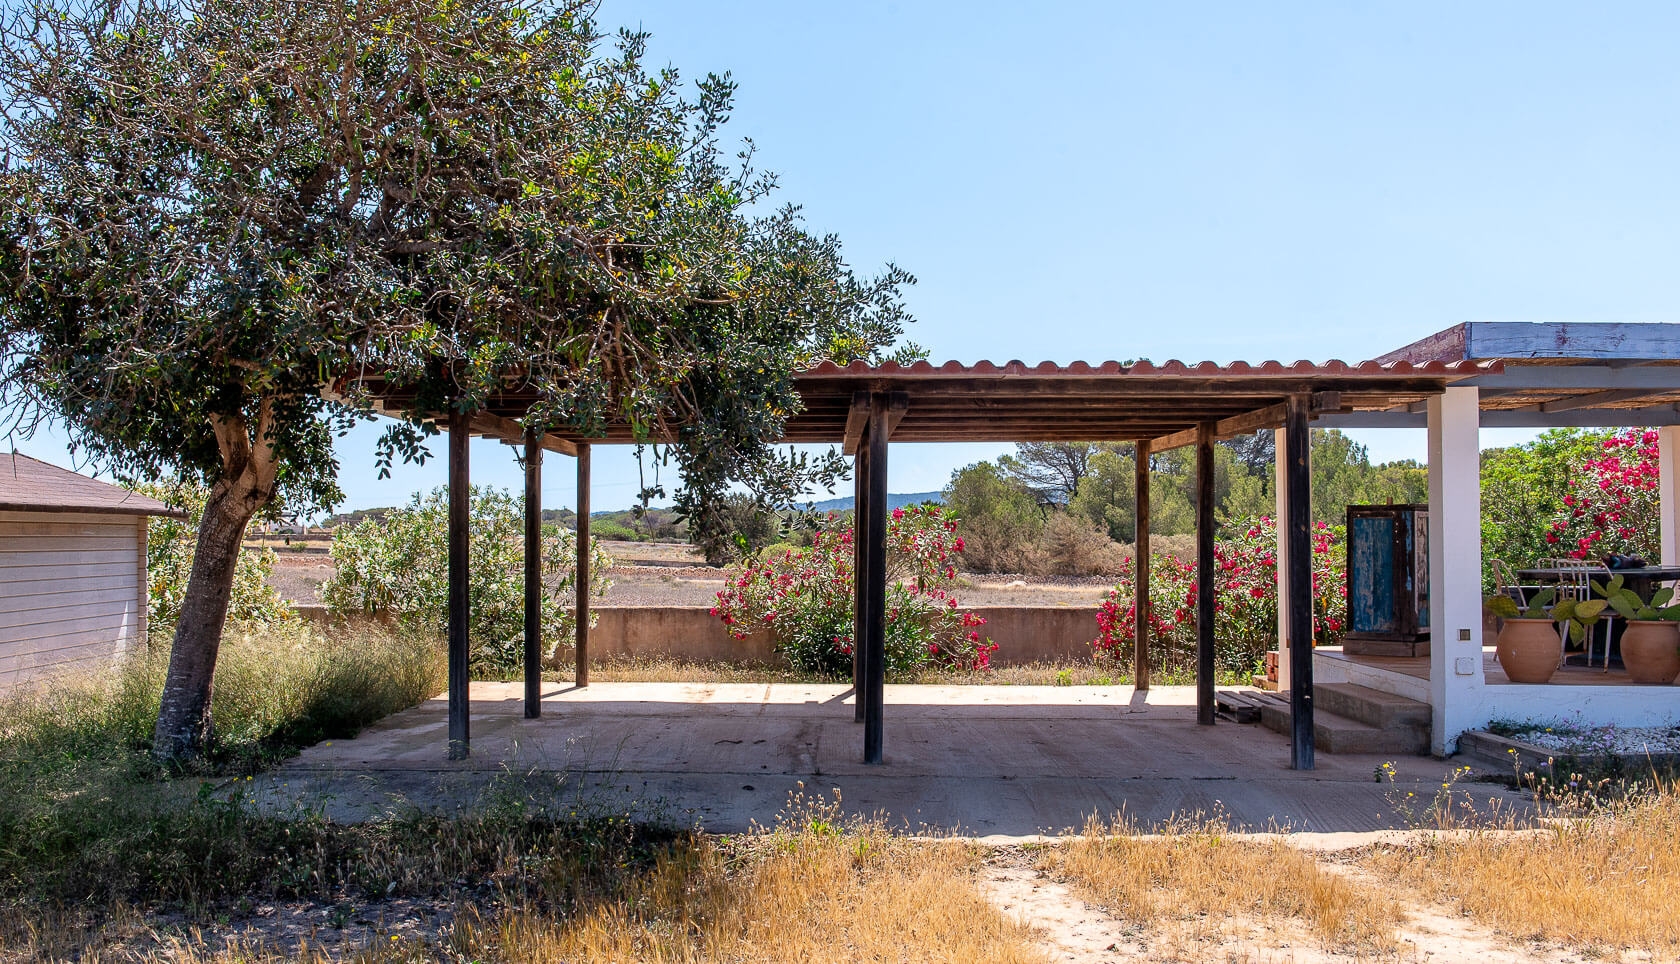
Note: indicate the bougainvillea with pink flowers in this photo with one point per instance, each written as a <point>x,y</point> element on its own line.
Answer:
<point>1611,506</point>
<point>1245,601</point>
<point>804,598</point>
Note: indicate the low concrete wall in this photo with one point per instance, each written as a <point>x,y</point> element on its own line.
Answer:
<point>1034,634</point>
<point>1023,634</point>
<point>683,632</point>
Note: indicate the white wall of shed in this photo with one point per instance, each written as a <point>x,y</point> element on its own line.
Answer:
<point>72,592</point>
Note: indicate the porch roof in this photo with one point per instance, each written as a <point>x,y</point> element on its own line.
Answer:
<point>1551,374</point>
<point>1015,402</point>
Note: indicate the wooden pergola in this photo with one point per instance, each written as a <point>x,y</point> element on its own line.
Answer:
<point>863,407</point>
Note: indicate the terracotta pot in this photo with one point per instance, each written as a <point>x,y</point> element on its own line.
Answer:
<point>1651,651</point>
<point>1528,650</point>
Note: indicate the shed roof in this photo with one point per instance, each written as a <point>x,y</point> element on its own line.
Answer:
<point>31,485</point>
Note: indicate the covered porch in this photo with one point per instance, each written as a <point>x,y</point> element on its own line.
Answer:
<point>1548,375</point>
<point>864,407</point>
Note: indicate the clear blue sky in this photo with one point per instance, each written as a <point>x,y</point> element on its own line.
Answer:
<point>1221,181</point>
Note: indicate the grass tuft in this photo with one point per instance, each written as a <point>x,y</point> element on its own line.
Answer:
<point>1194,874</point>
<point>1604,878</point>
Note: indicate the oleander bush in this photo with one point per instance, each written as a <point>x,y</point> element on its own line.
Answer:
<point>804,598</point>
<point>1245,601</point>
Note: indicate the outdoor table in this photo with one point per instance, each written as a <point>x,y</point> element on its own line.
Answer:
<point>1643,581</point>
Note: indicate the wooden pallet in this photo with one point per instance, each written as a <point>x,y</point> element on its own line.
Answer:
<point>1241,707</point>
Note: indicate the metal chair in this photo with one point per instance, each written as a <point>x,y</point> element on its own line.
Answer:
<point>1505,583</point>
<point>1575,583</point>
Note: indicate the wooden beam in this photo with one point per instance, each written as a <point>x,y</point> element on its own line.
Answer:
<point>533,575</point>
<point>860,570</point>
<point>459,521</point>
<point>1204,574</point>
<point>582,611</point>
<point>874,667</point>
<point>512,433</point>
<point>857,418</point>
<point>1297,467</point>
<point>898,403</point>
<point>1140,565</point>
<point>1593,400</point>
<point>1272,416</point>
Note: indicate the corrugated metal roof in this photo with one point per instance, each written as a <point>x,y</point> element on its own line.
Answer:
<point>31,485</point>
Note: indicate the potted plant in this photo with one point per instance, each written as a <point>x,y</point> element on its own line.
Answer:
<point>1528,645</point>
<point>1651,642</point>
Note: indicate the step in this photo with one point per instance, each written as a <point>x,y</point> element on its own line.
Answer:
<point>1333,733</point>
<point>1362,703</point>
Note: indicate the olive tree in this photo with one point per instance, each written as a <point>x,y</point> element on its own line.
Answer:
<point>212,209</point>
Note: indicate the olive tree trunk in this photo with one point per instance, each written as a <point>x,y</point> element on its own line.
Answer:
<point>184,725</point>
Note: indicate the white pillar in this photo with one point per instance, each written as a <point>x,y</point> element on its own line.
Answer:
<point>1455,566</point>
<point>1280,438</point>
<point>1668,490</point>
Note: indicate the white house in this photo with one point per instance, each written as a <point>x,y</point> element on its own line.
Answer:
<point>1550,375</point>
<point>72,570</point>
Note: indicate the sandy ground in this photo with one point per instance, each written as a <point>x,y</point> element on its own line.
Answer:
<point>660,574</point>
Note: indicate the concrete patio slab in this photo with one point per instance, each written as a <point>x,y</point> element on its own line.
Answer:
<point>979,760</point>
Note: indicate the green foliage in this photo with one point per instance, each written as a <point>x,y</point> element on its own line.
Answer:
<point>1013,509</point>
<point>1524,487</point>
<point>169,556</point>
<point>397,565</point>
<point>1627,603</point>
<point>1580,615</point>
<point>612,530</point>
<point>1107,498</point>
<point>1342,475</point>
<point>90,820</point>
<point>805,598</point>
<point>1245,601</point>
<point>1001,517</point>
<point>209,211</point>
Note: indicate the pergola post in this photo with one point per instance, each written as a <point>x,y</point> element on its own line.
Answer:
<point>460,743</point>
<point>1280,518</point>
<point>875,665</point>
<point>533,575</point>
<point>1140,565</point>
<point>1297,489</point>
<point>582,629</point>
<point>1455,566</point>
<point>860,580</point>
<point>1204,574</point>
<point>1668,492</point>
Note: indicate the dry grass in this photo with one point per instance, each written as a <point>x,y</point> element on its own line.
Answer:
<point>810,890</point>
<point>807,894</point>
<point>661,669</point>
<point>1607,879</point>
<point>1194,875</point>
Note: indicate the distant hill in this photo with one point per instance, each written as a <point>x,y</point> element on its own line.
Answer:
<point>894,501</point>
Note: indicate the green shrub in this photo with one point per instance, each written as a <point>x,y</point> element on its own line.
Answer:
<point>170,544</point>
<point>805,599</point>
<point>613,531</point>
<point>397,565</point>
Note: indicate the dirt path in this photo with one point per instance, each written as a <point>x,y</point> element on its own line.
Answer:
<point>1077,932</point>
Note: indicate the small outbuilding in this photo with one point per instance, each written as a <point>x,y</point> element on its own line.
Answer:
<point>72,570</point>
